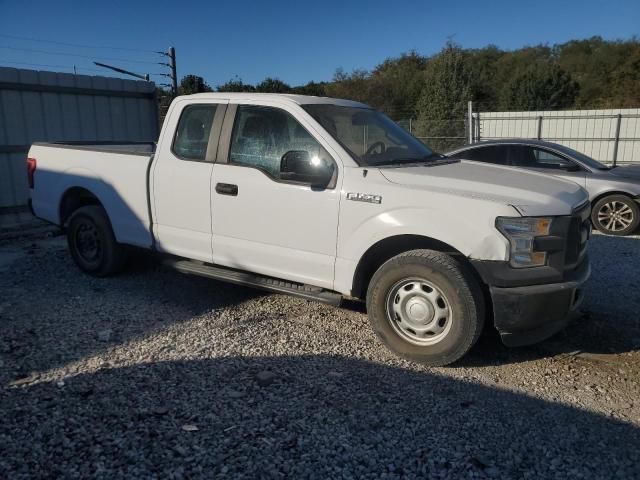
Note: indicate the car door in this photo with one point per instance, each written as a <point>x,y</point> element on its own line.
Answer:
<point>264,221</point>
<point>182,178</point>
<point>545,160</point>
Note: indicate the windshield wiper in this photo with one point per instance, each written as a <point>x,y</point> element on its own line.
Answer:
<point>433,158</point>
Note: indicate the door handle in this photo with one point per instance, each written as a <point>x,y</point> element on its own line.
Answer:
<point>227,189</point>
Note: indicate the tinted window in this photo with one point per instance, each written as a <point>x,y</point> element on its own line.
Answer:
<point>532,157</point>
<point>495,154</point>
<point>262,135</point>
<point>192,134</point>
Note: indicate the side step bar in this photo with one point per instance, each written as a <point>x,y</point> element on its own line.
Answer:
<point>253,280</point>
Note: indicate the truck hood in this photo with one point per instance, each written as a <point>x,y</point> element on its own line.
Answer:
<point>629,171</point>
<point>531,193</point>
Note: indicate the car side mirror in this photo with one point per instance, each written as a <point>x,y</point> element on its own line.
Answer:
<point>572,168</point>
<point>299,166</point>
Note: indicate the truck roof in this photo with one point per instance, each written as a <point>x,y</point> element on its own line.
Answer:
<point>297,99</point>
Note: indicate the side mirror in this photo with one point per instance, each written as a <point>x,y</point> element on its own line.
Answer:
<point>299,166</point>
<point>572,168</point>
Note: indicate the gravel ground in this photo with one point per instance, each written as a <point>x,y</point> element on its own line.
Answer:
<point>155,374</point>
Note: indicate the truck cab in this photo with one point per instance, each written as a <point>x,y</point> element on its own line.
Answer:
<point>328,199</point>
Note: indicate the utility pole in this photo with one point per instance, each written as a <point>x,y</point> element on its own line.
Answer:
<point>172,66</point>
<point>174,76</point>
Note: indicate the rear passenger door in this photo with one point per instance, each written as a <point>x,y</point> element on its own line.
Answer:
<point>263,221</point>
<point>181,190</point>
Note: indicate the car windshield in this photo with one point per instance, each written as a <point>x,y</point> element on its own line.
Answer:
<point>370,137</point>
<point>581,157</point>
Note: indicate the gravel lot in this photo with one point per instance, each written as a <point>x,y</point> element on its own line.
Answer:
<point>156,374</point>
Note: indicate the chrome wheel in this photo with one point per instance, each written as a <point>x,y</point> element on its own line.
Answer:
<point>615,216</point>
<point>419,311</point>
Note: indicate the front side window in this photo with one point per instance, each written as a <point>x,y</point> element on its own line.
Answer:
<point>192,134</point>
<point>495,154</point>
<point>370,137</point>
<point>271,140</point>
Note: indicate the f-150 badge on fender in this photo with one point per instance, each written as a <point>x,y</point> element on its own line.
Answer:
<point>364,197</point>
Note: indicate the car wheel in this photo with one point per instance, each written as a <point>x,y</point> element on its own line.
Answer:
<point>616,215</point>
<point>426,307</point>
<point>92,243</point>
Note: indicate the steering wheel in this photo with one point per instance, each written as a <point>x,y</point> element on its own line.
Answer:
<point>373,146</point>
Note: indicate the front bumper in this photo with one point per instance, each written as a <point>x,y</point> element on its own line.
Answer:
<point>529,314</point>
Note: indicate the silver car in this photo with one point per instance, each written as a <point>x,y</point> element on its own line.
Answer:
<point>614,191</point>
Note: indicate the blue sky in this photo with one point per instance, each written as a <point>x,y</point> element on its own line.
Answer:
<point>288,39</point>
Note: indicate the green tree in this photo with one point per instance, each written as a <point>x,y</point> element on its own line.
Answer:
<point>272,85</point>
<point>541,87</point>
<point>193,84</point>
<point>353,86</point>
<point>396,84</point>
<point>311,88</point>
<point>442,104</point>
<point>235,85</point>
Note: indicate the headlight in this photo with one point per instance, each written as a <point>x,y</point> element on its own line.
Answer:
<point>521,233</point>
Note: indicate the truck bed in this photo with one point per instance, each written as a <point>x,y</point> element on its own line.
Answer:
<point>116,173</point>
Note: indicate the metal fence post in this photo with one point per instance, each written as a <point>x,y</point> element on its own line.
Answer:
<point>410,126</point>
<point>470,120</point>
<point>617,139</point>
<point>540,127</point>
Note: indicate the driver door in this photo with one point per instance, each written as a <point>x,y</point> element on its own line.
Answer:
<point>264,221</point>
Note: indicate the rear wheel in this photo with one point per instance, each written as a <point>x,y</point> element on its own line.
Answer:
<point>426,307</point>
<point>616,215</point>
<point>92,243</point>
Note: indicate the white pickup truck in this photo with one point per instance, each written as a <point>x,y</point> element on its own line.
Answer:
<point>327,199</point>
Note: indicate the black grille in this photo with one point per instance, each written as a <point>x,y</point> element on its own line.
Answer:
<point>578,236</point>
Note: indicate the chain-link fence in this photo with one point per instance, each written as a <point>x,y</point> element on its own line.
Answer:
<point>441,135</point>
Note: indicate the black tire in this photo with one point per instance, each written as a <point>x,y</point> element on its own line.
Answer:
<point>603,215</point>
<point>451,280</point>
<point>92,243</point>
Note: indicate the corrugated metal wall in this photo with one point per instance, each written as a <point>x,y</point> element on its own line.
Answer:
<point>605,135</point>
<point>48,106</point>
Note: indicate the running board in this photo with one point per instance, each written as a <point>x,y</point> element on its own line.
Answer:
<point>253,280</point>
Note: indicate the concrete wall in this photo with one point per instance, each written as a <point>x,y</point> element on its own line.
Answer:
<point>49,106</point>
<point>592,132</point>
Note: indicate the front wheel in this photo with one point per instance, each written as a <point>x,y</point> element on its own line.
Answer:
<point>92,243</point>
<point>426,307</point>
<point>616,215</point>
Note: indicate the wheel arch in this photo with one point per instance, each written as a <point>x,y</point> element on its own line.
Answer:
<point>74,198</point>
<point>389,247</point>
<point>610,193</point>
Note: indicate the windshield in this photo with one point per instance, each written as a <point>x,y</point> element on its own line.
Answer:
<point>372,138</point>
<point>581,157</point>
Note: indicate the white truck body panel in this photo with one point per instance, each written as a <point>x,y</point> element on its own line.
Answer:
<point>119,180</point>
<point>292,231</point>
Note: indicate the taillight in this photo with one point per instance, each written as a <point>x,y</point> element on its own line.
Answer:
<point>31,169</point>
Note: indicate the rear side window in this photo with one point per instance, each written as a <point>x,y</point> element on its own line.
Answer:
<point>495,154</point>
<point>192,134</point>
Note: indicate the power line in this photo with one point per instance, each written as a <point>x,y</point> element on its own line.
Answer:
<point>29,39</point>
<point>76,55</point>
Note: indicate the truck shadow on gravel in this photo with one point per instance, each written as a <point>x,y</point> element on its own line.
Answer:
<point>298,417</point>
